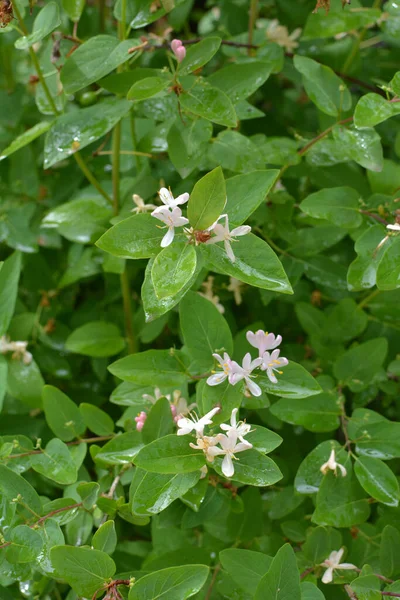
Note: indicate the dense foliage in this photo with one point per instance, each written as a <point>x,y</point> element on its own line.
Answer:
<point>179,179</point>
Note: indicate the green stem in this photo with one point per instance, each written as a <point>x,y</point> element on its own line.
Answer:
<point>35,61</point>
<point>134,143</point>
<point>252,21</point>
<point>349,60</point>
<point>126,298</point>
<point>90,177</point>
<point>116,146</point>
<point>368,298</point>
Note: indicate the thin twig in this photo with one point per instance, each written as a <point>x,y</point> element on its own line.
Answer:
<point>374,216</point>
<point>306,572</point>
<point>213,579</point>
<point>319,137</point>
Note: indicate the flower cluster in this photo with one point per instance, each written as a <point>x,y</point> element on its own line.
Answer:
<point>178,405</point>
<point>230,443</point>
<point>280,35</point>
<point>266,361</point>
<point>18,349</point>
<point>171,215</point>
<point>178,49</point>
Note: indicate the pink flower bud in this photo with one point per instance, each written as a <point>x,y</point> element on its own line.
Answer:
<point>139,425</point>
<point>140,420</point>
<point>178,49</point>
<point>173,409</point>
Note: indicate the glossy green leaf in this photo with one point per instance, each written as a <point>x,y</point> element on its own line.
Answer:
<point>388,272</point>
<point>62,415</point>
<point>26,138</point>
<point>170,584</point>
<point>56,463</point>
<point>373,109</point>
<point>294,382</point>
<point>153,367</point>
<point>9,277</point>
<point>96,339</point>
<point>93,60</point>
<point>158,422</point>
<point>363,146</point>
<point>135,237</point>
<point>246,567</point>
<point>256,264</point>
<point>378,480</point>
<point>378,439</point>
<point>320,542</point>
<point>389,552</point>
<point>105,538</point>
<point>199,54</point>
<point>358,365</point>
<point>89,492</point>
<point>149,87</point>
<point>187,144</point>
<point>338,205</point>
<point>12,485</point>
<point>263,439</point>
<point>282,581</point>
<point>235,152</point>
<point>207,200</point>
<point>26,545</point>
<point>170,454</point>
<point>3,379</point>
<point>25,382</point>
<point>151,493</point>
<point>84,569</point>
<point>74,8</point>
<point>96,420</point>
<point>202,99</point>
<point>309,591</point>
<point>337,20</point>
<point>318,413</point>
<point>239,81</point>
<point>46,21</point>
<point>246,192</point>
<point>75,130</point>
<point>252,468</point>
<point>121,450</point>
<point>309,477</point>
<point>323,86</point>
<point>226,395</point>
<point>173,267</point>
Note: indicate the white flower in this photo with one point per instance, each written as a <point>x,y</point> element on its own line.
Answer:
<point>230,447</point>
<point>188,425</point>
<point>271,362</point>
<point>332,563</point>
<point>332,465</point>
<point>157,396</point>
<point>236,286</point>
<point>141,207</point>
<point>280,35</point>
<point>226,365</point>
<point>18,349</point>
<point>172,218</point>
<point>263,341</point>
<point>205,443</point>
<point>167,198</point>
<point>245,372</point>
<point>222,234</point>
<point>179,406</point>
<point>238,429</point>
<point>395,227</point>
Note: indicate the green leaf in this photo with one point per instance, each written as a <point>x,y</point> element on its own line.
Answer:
<point>13,485</point>
<point>84,569</point>
<point>170,584</point>
<point>388,272</point>
<point>322,25</point>
<point>204,329</point>
<point>3,379</point>
<point>199,54</point>
<point>338,205</point>
<point>96,339</point>
<point>89,493</point>
<point>207,200</point>
<point>246,567</point>
<point>173,267</point>
<point>46,21</point>
<point>73,8</point>
<point>378,480</point>
<point>239,81</point>
<point>121,450</point>
<point>134,237</point>
<point>96,420</point>
<point>77,129</point>
<point>378,439</point>
<point>309,591</point>
<point>62,415</point>
<point>358,365</point>
<point>390,552</point>
<point>323,86</point>
<point>153,367</point>
<point>246,192</point>
<point>105,538</point>
<point>282,581</point>
<point>187,144</point>
<point>373,109</point>
<point>26,138</point>
<point>309,477</point>
<point>226,395</point>
<point>151,493</point>
<point>319,413</point>
<point>200,98</point>
<point>170,454</point>
<point>252,468</point>
<point>26,545</point>
<point>56,463</point>
<point>25,382</point>
<point>295,382</point>
<point>325,272</point>
<point>320,542</point>
<point>256,264</point>
<point>364,146</point>
<point>263,439</point>
<point>158,422</point>
<point>93,60</point>
<point>366,587</point>
<point>346,321</point>
<point>9,277</point>
<point>235,152</point>
<point>149,87</point>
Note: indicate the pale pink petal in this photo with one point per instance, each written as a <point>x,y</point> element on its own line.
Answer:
<point>174,45</point>
<point>255,389</point>
<point>217,378</point>
<point>182,199</point>
<point>229,251</point>
<point>227,466</point>
<point>271,376</point>
<point>242,230</point>
<point>242,447</point>
<point>327,576</point>
<point>168,238</point>
<point>347,566</point>
<point>246,361</point>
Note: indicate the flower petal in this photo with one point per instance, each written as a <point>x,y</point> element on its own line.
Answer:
<point>242,230</point>
<point>217,378</point>
<point>227,466</point>
<point>168,238</point>
<point>229,251</point>
<point>255,389</point>
<point>327,576</point>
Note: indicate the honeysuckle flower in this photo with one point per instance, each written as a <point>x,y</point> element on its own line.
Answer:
<point>178,49</point>
<point>229,447</point>
<point>186,425</point>
<point>237,429</point>
<point>141,207</point>
<point>140,420</point>
<point>280,35</point>
<point>272,362</point>
<point>208,293</point>
<point>179,406</point>
<point>205,443</point>
<point>226,365</point>
<point>235,286</point>
<point>172,218</point>
<point>332,563</point>
<point>18,349</point>
<point>245,372</point>
<point>263,341</point>
<point>167,198</point>
<point>157,396</point>
<point>222,234</point>
<point>394,227</point>
<point>332,465</point>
